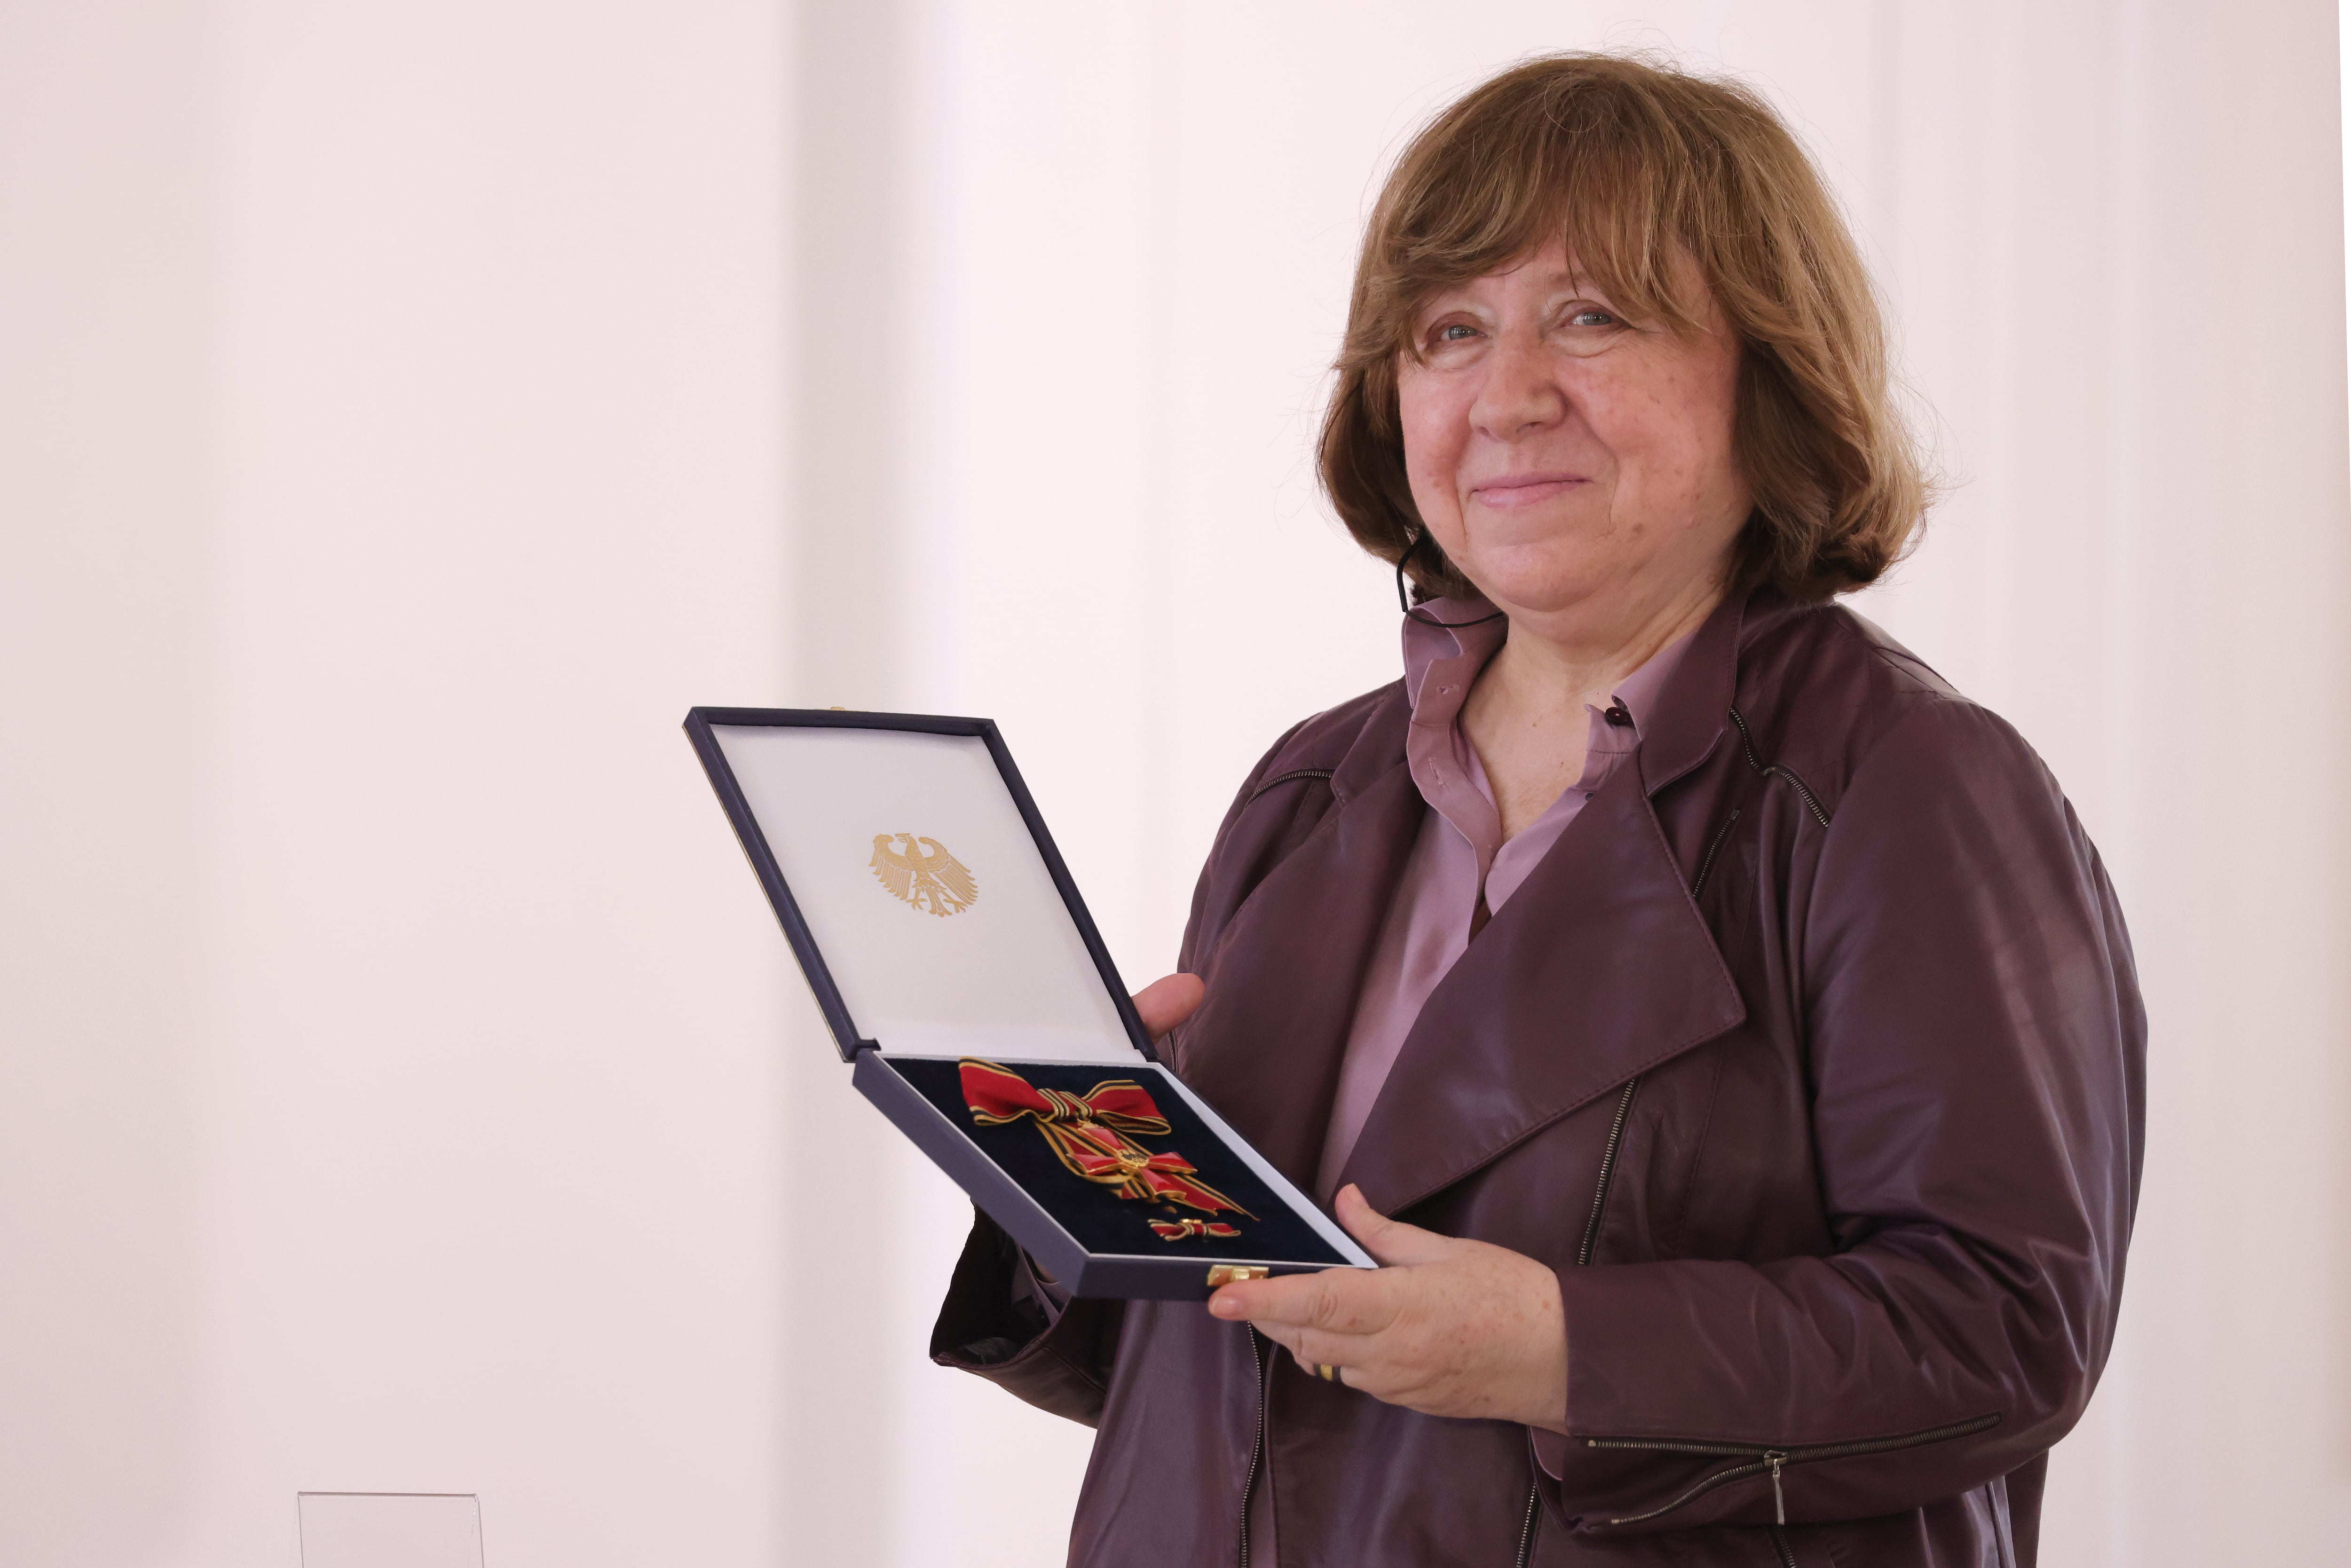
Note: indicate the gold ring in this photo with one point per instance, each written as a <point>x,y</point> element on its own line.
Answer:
<point>1329,1374</point>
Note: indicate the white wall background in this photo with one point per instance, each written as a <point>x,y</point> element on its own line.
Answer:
<point>392,411</point>
<point>407,410</point>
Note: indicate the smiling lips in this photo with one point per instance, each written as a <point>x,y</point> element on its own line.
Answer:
<point>1524,489</point>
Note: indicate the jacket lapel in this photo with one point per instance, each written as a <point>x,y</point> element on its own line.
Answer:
<point>1598,969</point>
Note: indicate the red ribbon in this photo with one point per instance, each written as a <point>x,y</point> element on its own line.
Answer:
<point>1089,1134</point>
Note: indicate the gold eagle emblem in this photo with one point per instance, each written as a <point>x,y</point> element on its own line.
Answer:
<point>923,874</point>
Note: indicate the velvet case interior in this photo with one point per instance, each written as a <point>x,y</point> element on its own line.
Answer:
<point>1177,1220</point>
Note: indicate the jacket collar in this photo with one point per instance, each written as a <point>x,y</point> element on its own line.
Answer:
<point>1378,748</point>
<point>1678,730</point>
<point>1694,708</point>
<point>1597,969</point>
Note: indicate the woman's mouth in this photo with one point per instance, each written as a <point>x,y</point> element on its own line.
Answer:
<point>1524,489</point>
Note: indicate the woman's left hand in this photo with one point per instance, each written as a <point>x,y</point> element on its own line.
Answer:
<point>1447,1327</point>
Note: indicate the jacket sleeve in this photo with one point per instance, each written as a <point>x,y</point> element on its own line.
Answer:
<point>997,1325</point>
<point>1976,1048</point>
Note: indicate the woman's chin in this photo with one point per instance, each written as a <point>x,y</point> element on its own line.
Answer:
<point>1550,589</point>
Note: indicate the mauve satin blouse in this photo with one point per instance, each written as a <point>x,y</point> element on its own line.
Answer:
<point>1460,850</point>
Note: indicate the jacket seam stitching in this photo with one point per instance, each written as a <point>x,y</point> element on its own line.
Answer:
<point>1677,1229</point>
<point>1030,1357</point>
<point>1099,1385</point>
<point>1225,931</point>
<point>1674,1236</point>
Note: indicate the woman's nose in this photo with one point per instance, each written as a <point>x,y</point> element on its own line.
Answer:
<point>1520,392</point>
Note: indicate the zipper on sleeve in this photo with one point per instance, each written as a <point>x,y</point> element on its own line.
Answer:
<point>1761,1460</point>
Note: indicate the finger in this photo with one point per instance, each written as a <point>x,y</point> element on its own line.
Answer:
<point>1289,1338</point>
<point>1336,1301</point>
<point>1312,1348</point>
<point>1168,1001</point>
<point>1361,1362</point>
<point>1389,1240</point>
<point>1313,1368</point>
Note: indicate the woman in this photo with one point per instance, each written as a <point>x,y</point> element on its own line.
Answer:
<point>1722,1028</point>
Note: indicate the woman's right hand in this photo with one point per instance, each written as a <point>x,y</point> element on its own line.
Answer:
<point>1168,1001</point>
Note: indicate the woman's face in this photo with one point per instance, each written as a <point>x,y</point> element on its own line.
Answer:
<point>1565,457</point>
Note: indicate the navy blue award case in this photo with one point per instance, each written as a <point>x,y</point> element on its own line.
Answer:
<point>936,923</point>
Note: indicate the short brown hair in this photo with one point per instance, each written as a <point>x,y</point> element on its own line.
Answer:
<point>1631,161</point>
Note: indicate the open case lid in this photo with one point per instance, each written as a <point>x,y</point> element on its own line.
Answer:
<point>918,884</point>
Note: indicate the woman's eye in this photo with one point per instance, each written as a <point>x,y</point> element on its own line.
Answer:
<point>1455,333</point>
<point>1592,316</point>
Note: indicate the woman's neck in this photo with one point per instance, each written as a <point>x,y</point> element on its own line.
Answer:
<point>1548,665</point>
<point>1526,717</point>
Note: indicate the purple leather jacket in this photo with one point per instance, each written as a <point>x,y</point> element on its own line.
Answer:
<point>1810,1057</point>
